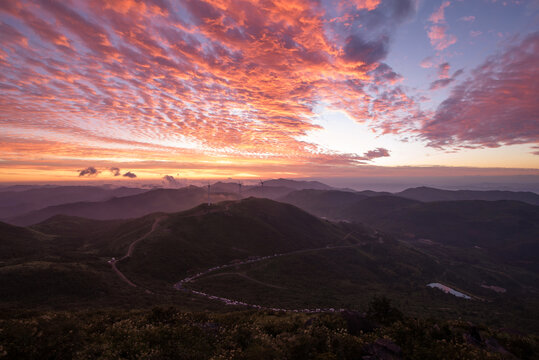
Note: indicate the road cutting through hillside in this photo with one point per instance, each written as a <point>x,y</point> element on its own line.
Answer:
<point>247,277</point>
<point>180,285</point>
<point>129,253</point>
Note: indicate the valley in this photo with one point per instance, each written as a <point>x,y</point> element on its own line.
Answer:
<point>311,252</point>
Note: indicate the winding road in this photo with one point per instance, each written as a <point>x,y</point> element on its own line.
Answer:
<point>181,284</point>
<point>130,250</point>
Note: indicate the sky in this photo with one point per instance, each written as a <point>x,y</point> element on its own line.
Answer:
<point>129,89</point>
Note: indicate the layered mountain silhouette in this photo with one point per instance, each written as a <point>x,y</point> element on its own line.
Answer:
<point>507,228</point>
<point>165,200</point>
<point>428,194</point>
<point>297,184</point>
<point>15,200</point>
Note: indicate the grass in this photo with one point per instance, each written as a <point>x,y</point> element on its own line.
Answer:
<point>169,333</point>
<point>348,278</point>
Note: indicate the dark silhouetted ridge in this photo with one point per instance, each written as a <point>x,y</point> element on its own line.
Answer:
<point>428,194</point>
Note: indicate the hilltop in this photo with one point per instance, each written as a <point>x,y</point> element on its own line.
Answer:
<point>208,236</point>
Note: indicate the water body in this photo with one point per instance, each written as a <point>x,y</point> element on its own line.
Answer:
<point>448,290</point>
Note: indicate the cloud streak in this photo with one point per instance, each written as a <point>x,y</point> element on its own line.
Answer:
<point>497,105</point>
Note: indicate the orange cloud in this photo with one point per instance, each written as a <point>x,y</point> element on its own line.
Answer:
<point>202,79</point>
<point>366,4</point>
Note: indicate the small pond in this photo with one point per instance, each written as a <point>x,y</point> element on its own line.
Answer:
<point>448,290</point>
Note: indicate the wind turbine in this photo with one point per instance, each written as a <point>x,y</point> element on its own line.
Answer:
<point>261,182</point>
<point>209,202</point>
<point>240,184</point>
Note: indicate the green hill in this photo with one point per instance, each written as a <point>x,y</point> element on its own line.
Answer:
<point>63,262</point>
<point>349,277</point>
<point>508,229</point>
<point>208,236</point>
<point>16,242</point>
<point>65,258</point>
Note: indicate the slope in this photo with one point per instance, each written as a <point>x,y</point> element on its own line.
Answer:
<point>163,200</point>
<point>326,203</point>
<point>207,236</point>
<point>17,202</point>
<point>508,229</point>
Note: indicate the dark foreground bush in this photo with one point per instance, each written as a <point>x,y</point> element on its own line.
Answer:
<point>165,333</point>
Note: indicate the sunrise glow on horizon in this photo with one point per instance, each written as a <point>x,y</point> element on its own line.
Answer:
<point>137,89</point>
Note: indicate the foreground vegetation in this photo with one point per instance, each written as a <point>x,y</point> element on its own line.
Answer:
<point>167,333</point>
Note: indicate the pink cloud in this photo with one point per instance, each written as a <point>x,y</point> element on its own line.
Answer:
<point>445,80</point>
<point>427,62</point>
<point>497,105</point>
<point>439,39</point>
<point>475,33</point>
<point>438,16</point>
<point>470,18</point>
<point>443,70</point>
<point>437,30</point>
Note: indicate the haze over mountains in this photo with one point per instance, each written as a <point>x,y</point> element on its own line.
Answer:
<point>166,200</point>
<point>296,247</point>
<point>504,224</point>
<point>26,207</point>
<point>17,200</point>
<point>431,194</point>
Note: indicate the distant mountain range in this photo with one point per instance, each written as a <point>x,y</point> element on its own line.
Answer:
<point>428,194</point>
<point>509,229</point>
<point>30,206</point>
<point>18,200</point>
<point>297,184</point>
<point>158,200</point>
